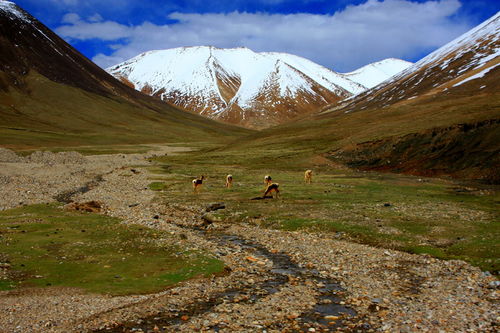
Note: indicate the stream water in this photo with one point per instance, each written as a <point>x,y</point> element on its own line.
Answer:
<point>65,197</point>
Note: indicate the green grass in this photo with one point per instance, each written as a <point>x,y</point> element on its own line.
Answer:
<point>422,215</point>
<point>94,150</point>
<point>48,246</point>
<point>57,115</point>
<point>157,186</point>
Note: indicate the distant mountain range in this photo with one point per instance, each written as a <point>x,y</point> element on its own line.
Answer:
<point>246,88</point>
<point>439,116</point>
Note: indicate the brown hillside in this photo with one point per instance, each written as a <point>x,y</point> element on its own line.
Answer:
<point>50,94</point>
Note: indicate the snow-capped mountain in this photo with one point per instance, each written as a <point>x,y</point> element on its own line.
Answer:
<point>469,59</point>
<point>373,74</point>
<point>238,85</point>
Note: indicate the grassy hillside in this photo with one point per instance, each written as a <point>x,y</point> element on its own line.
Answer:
<point>375,131</point>
<point>54,114</point>
<point>51,95</point>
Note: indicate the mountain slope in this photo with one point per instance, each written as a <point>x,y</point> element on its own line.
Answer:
<point>237,85</point>
<point>50,94</point>
<point>474,53</point>
<point>440,116</point>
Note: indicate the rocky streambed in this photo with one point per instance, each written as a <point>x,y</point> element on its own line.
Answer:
<point>325,315</point>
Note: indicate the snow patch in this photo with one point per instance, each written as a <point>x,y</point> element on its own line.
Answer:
<point>12,10</point>
<point>477,76</point>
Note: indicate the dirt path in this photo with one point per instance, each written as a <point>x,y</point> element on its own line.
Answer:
<point>275,281</point>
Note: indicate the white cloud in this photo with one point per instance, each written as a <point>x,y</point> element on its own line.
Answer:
<point>95,18</point>
<point>346,40</point>
<point>71,18</point>
<point>83,30</point>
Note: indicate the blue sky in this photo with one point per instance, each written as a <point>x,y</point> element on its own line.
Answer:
<point>342,35</point>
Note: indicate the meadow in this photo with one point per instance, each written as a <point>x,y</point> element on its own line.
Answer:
<point>46,245</point>
<point>444,218</point>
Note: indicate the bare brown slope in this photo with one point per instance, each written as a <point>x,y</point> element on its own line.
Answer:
<point>50,94</point>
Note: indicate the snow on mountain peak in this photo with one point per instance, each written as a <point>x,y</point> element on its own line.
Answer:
<point>471,56</point>
<point>483,41</point>
<point>373,74</point>
<point>13,10</point>
<point>217,82</point>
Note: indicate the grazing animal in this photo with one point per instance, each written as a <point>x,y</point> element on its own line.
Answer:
<point>267,180</point>
<point>273,187</point>
<point>229,181</point>
<point>197,183</point>
<point>308,176</point>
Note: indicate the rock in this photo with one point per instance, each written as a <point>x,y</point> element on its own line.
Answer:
<point>215,206</point>
<point>89,206</point>
<point>7,155</point>
<point>494,284</point>
<point>209,218</point>
<point>50,158</point>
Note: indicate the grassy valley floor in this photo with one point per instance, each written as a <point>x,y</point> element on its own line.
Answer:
<point>444,218</point>
<point>303,261</point>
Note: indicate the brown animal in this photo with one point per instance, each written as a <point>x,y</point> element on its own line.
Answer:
<point>308,176</point>
<point>267,180</point>
<point>273,187</point>
<point>197,183</point>
<point>229,181</point>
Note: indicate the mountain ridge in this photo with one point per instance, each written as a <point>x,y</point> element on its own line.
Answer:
<point>444,69</point>
<point>236,85</point>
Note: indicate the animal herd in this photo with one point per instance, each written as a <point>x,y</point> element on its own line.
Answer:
<point>270,187</point>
